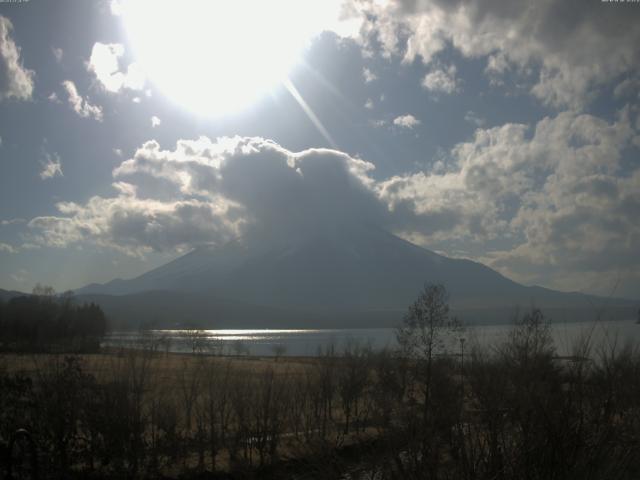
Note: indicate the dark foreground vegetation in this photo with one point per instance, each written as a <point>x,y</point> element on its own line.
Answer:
<point>46,322</point>
<point>438,408</point>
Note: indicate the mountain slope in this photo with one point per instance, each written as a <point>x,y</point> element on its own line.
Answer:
<point>351,269</point>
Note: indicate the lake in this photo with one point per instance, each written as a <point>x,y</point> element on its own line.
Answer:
<point>308,342</point>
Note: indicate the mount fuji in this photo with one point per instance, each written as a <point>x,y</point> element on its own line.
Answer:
<point>348,275</point>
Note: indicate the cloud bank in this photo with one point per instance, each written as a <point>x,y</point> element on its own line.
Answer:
<point>208,191</point>
<point>565,51</point>
<point>560,194</point>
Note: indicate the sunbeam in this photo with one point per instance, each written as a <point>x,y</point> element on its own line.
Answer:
<point>307,109</point>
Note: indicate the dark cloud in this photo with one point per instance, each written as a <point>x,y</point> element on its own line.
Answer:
<point>574,47</point>
<point>220,190</point>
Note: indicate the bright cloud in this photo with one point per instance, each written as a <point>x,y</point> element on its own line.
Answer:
<point>442,80</point>
<point>406,121</point>
<point>105,64</point>
<point>6,248</point>
<point>80,105</point>
<point>51,166</point>
<point>368,75</point>
<point>16,81</point>
<point>116,8</point>
<point>473,118</point>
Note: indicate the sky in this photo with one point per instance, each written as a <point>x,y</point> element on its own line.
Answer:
<point>503,132</point>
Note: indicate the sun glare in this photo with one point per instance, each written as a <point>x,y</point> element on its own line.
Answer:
<point>218,56</point>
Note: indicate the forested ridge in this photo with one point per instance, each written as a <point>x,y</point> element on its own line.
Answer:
<point>45,321</point>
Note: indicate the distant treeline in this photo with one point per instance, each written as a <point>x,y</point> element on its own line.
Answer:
<point>424,411</point>
<point>45,321</point>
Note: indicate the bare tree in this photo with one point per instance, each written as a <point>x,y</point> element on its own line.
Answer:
<point>165,343</point>
<point>214,406</point>
<point>427,323</point>
<point>44,291</point>
<point>352,381</point>
<point>425,330</point>
<point>189,385</point>
<point>424,333</point>
<point>279,350</point>
<point>197,340</point>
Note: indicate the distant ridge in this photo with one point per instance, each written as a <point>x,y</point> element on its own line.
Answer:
<point>6,295</point>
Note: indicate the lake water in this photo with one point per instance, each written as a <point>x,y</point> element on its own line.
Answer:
<point>309,342</point>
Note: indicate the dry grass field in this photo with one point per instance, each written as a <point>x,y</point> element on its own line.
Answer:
<point>163,366</point>
<point>255,409</point>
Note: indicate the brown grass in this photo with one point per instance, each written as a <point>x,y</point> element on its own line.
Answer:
<point>162,365</point>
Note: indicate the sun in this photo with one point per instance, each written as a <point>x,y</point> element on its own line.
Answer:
<point>219,56</point>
